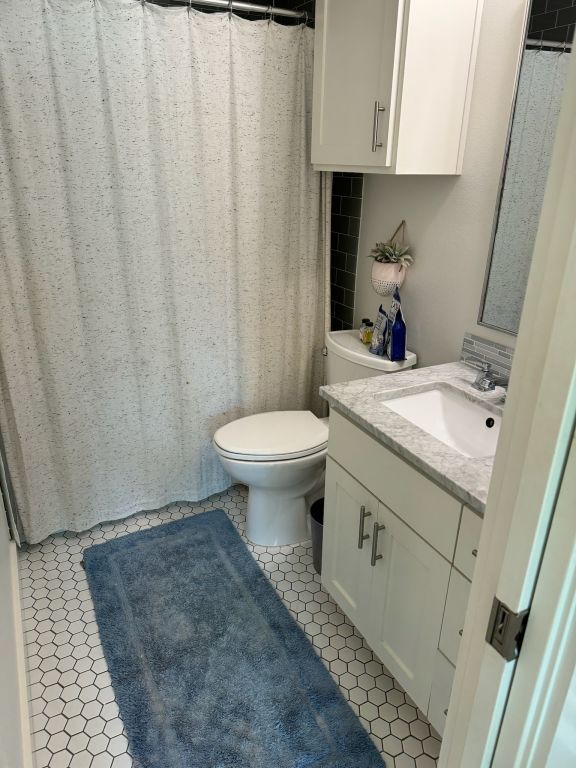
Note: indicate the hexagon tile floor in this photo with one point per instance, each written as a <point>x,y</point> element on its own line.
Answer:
<point>75,719</point>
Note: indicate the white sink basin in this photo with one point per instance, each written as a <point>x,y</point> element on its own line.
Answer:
<point>450,417</point>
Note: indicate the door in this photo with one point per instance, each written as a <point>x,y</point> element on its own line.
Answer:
<point>538,725</point>
<point>14,735</point>
<point>409,589</point>
<point>355,71</point>
<point>349,512</point>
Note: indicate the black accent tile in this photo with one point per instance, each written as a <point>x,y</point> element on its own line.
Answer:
<point>349,299</point>
<point>347,243</point>
<point>339,261</point>
<point>357,187</point>
<point>339,224</point>
<point>342,185</point>
<point>552,5</point>
<point>345,314</point>
<point>543,21</point>
<point>566,17</point>
<point>351,263</point>
<point>351,206</point>
<point>354,226</point>
<point>338,294</point>
<point>345,280</point>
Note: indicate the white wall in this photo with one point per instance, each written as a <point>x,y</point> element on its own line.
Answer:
<point>450,219</point>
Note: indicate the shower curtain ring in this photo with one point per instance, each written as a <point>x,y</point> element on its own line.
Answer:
<point>230,8</point>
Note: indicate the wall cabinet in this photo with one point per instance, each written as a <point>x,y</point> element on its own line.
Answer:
<point>392,84</point>
<point>390,540</point>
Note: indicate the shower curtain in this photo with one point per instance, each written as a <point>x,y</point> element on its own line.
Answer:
<point>162,242</point>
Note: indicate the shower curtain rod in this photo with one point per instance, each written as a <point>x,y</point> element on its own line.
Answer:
<point>237,5</point>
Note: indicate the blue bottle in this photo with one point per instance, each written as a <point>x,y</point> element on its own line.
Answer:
<point>398,337</point>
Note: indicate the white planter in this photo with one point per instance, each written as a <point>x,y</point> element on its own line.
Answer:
<point>387,277</point>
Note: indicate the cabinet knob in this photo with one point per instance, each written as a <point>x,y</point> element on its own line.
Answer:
<point>446,712</point>
<point>474,552</point>
<point>377,528</point>
<point>460,632</point>
<point>361,535</point>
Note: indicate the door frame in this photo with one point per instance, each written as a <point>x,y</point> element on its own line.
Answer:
<point>533,448</point>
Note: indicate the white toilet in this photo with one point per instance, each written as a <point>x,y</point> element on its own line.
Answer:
<point>280,455</point>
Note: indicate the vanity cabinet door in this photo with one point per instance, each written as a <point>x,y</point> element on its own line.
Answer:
<point>409,586</point>
<point>348,511</point>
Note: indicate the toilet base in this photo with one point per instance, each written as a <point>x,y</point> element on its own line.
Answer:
<point>275,521</point>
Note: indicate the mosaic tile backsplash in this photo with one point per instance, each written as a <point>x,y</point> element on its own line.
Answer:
<point>498,355</point>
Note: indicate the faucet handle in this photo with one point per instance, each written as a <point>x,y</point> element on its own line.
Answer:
<point>479,365</point>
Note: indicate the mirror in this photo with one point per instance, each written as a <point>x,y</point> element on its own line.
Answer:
<point>540,87</point>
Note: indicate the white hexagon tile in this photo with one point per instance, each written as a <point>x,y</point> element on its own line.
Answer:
<point>75,719</point>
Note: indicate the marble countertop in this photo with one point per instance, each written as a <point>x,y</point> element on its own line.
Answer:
<point>466,478</point>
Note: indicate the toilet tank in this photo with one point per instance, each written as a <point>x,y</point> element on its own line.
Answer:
<point>348,358</point>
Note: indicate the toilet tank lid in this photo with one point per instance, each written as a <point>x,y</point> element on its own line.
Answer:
<point>273,434</point>
<point>346,344</point>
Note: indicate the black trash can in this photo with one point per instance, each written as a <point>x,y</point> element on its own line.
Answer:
<point>317,529</point>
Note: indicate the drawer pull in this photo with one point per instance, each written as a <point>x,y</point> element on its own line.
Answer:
<point>377,528</point>
<point>361,535</point>
<point>474,552</point>
<point>460,632</point>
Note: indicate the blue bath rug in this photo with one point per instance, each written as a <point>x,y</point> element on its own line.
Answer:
<point>209,668</point>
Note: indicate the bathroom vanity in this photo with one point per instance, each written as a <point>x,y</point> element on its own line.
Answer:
<point>403,515</point>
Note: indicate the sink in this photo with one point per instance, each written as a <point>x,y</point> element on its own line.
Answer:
<point>450,417</point>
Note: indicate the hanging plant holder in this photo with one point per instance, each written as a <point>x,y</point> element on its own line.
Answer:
<point>387,276</point>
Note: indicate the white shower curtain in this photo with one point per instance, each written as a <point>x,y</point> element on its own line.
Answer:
<point>162,248</point>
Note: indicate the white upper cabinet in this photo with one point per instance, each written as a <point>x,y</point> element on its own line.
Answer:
<point>392,84</point>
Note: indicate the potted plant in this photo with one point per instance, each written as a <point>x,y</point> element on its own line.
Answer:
<point>391,259</point>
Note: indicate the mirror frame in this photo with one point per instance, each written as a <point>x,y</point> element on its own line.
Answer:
<point>480,321</point>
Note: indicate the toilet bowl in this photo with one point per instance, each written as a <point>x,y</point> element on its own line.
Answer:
<point>281,455</point>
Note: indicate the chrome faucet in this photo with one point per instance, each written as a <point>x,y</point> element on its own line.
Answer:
<point>487,379</point>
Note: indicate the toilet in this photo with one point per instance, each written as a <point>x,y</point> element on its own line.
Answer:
<point>281,455</point>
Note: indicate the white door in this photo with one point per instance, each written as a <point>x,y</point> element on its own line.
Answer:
<point>538,728</point>
<point>355,54</point>
<point>408,595</point>
<point>533,449</point>
<point>14,734</point>
<point>349,514</point>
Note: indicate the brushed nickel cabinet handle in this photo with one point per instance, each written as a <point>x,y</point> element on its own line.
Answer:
<point>474,552</point>
<point>361,535</point>
<point>377,528</point>
<point>376,126</point>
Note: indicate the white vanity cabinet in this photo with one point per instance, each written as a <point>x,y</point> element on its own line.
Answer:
<point>392,84</point>
<point>390,541</point>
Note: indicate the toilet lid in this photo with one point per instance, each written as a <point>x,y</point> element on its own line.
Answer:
<point>273,435</point>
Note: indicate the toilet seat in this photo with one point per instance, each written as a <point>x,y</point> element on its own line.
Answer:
<point>272,436</point>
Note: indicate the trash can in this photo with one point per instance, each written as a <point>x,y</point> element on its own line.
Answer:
<point>317,528</point>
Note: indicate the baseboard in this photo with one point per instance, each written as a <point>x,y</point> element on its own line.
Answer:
<point>26,736</point>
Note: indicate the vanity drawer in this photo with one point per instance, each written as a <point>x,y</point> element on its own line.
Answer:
<point>468,540</point>
<point>454,614</point>
<point>441,691</point>
<point>421,504</point>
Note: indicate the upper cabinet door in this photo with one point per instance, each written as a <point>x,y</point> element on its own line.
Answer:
<point>354,75</point>
<point>393,84</point>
